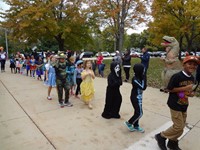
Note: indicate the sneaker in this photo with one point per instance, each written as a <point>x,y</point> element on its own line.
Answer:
<point>139,129</point>
<point>173,145</point>
<point>161,141</point>
<point>61,105</point>
<point>49,98</point>
<point>68,104</point>
<point>129,126</point>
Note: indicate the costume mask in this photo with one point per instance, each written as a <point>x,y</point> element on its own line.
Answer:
<point>117,69</point>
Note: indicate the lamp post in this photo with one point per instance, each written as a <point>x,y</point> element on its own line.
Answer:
<point>6,42</point>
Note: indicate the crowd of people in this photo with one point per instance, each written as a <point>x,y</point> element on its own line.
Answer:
<point>67,72</point>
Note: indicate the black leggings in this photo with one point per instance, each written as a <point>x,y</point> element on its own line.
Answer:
<point>78,82</point>
<point>3,65</point>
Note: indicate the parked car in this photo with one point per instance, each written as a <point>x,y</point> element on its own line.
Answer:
<point>113,54</point>
<point>157,53</point>
<point>104,54</point>
<point>197,53</point>
<point>86,54</point>
<point>135,54</point>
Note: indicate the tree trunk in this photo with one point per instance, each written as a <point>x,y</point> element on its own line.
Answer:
<point>60,41</point>
<point>189,42</point>
<point>117,42</point>
<point>180,45</point>
<point>121,38</point>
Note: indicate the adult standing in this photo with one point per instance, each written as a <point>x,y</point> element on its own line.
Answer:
<point>126,62</point>
<point>145,59</point>
<point>3,57</point>
<point>100,63</point>
<point>118,58</point>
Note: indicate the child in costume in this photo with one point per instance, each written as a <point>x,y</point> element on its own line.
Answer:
<point>87,85</point>
<point>138,86</point>
<point>22,65</point>
<point>50,76</point>
<point>180,87</point>
<point>61,80</point>
<point>17,64</point>
<point>70,74</point>
<point>113,95</point>
<point>77,76</point>
<point>32,66</point>
<point>39,70</point>
<point>28,64</point>
<point>12,64</point>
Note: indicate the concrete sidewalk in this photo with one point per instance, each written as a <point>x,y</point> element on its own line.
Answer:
<point>28,121</point>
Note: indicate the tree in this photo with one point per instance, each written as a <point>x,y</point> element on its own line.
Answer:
<point>180,18</point>
<point>120,15</point>
<point>64,20</point>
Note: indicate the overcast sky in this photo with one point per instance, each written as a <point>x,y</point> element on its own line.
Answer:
<point>3,5</point>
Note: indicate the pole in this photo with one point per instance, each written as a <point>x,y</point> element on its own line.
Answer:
<point>6,43</point>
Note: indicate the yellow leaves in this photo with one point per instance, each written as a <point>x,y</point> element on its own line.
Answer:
<point>67,29</point>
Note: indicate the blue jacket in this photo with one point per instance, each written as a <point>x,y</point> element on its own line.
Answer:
<point>145,60</point>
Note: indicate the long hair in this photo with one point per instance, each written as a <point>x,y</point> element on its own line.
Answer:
<point>85,62</point>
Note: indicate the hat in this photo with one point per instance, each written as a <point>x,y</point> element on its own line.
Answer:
<point>190,58</point>
<point>62,56</point>
<point>79,62</point>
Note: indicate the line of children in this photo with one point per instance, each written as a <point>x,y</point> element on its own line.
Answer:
<point>180,87</point>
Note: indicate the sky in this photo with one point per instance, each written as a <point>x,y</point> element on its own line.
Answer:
<point>4,6</point>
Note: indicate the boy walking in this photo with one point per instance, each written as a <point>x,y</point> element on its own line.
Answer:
<point>61,80</point>
<point>180,87</point>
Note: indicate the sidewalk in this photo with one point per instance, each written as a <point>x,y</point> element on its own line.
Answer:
<point>28,121</point>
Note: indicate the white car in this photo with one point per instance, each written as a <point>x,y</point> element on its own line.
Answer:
<point>198,53</point>
<point>113,54</point>
<point>135,54</point>
<point>104,54</point>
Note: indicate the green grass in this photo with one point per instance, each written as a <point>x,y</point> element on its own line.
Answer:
<point>156,66</point>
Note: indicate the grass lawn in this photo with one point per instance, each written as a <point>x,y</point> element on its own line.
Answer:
<point>153,75</point>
